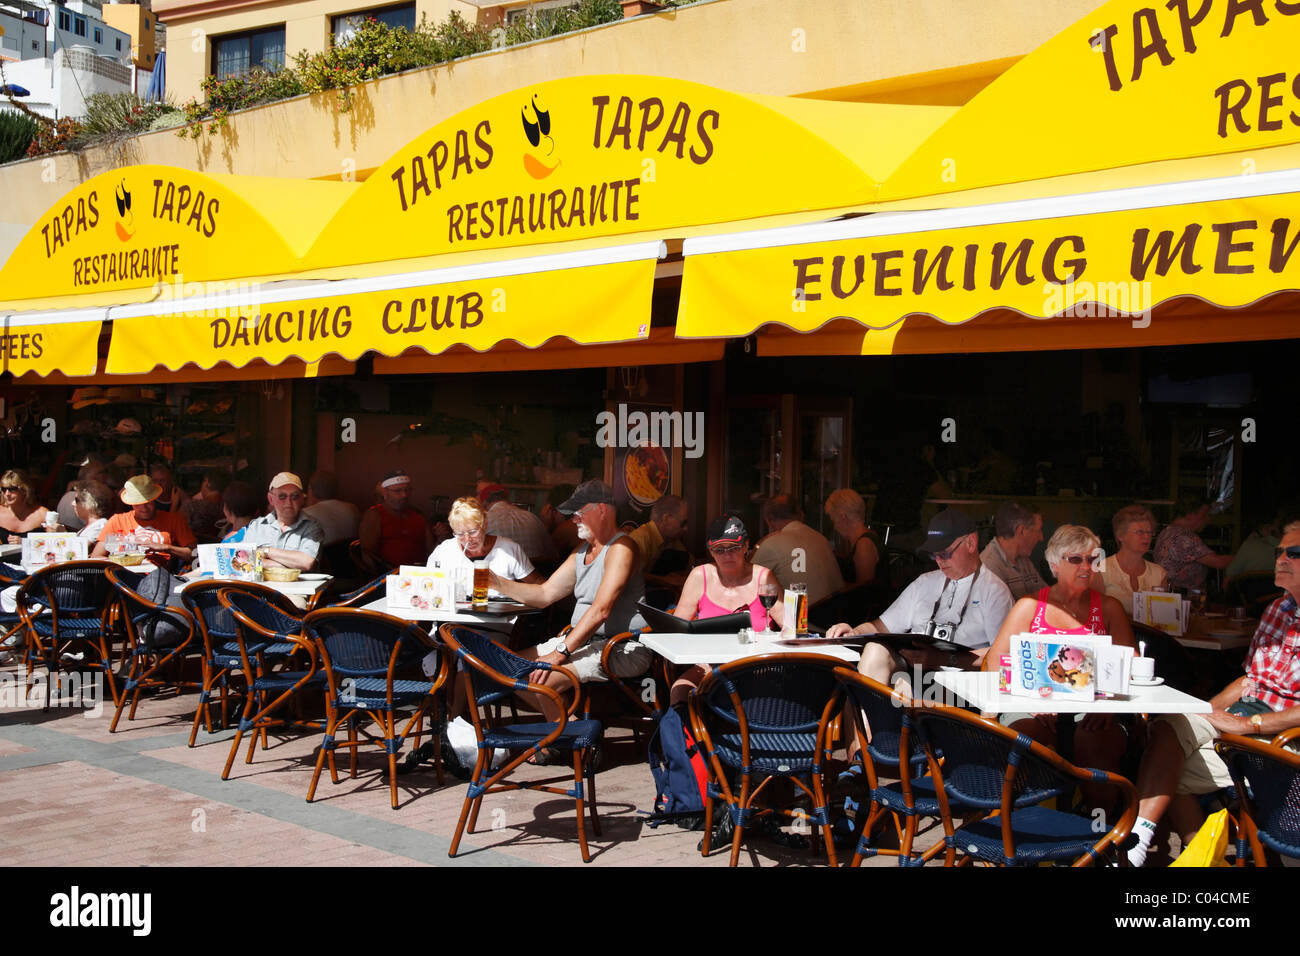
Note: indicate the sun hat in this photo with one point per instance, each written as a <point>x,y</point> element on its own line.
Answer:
<point>140,490</point>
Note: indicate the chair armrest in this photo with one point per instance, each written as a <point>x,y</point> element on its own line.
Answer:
<point>613,642</point>
<point>1285,737</point>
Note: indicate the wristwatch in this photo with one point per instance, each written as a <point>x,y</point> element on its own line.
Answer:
<point>1257,721</point>
<point>563,650</point>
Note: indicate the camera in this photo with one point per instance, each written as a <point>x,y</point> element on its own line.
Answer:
<point>940,632</point>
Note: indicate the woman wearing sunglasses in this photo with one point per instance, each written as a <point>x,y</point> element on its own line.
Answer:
<point>470,542</point>
<point>1074,605</point>
<point>19,513</point>
<point>731,584</point>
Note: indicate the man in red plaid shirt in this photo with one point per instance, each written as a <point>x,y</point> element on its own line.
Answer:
<point>1180,760</point>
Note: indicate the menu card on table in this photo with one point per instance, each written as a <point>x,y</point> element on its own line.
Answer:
<point>422,588</point>
<point>1068,667</point>
<point>1163,610</point>
<point>44,548</point>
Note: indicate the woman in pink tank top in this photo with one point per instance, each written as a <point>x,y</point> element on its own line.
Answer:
<point>729,585</point>
<point>1071,606</point>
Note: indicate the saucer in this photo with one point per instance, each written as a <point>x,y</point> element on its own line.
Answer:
<point>1154,682</point>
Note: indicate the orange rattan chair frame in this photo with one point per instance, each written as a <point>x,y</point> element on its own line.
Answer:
<point>340,693</point>
<point>1014,780</point>
<point>1230,746</point>
<point>721,680</point>
<point>41,589</point>
<point>200,599</point>
<point>146,659</point>
<point>257,661</point>
<point>483,781</point>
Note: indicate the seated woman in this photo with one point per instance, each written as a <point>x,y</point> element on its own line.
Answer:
<point>863,560</point>
<point>19,511</point>
<point>1179,549</point>
<point>240,504</point>
<point>730,585</point>
<point>94,504</point>
<point>470,542</point>
<point>1071,606</point>
<point>1127,570</point>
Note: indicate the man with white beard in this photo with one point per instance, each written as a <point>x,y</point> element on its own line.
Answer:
<point>604,575</point>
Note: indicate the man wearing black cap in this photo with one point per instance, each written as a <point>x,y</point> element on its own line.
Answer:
<point>604,575</point>
<point>957,600</point>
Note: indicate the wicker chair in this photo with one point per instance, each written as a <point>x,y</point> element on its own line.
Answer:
<point>11,576</point>
<point>216,628</point>
<point>264,637</point>
<point>157,636</point>
<point>765,716</point>
<point>77,608</point>
<point>1267,781</point>
<point>492,673</point>
<point>362,653</point>
<point>370,591</point>
<point>995,770</point>
<point>890,749</point>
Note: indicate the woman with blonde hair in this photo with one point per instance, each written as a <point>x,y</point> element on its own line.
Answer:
<point>19,511</point>
<point>863,561</point>
<point>1127,571</point>
<point>470,542</point>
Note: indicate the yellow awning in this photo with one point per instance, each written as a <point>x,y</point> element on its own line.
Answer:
<point>67,342</point>
<point>600,296</point>
<point>1116,253</point>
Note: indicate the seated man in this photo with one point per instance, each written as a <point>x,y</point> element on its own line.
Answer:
<point>796,553</point>
<point>1016,531</point>
<point>392,533</point>
<point>292,539</point>
<point>1180,760</point>
<point>522,527</point>
<point>957,596</point>
<point>663,532</point>
<point>604,575</point>
<point>159,531</point>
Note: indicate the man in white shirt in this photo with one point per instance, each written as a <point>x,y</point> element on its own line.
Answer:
<point>960,599</point>
<point>520,526</point>
<point>338,519</point>
<point>796,553</point>
<point>1016,531</point>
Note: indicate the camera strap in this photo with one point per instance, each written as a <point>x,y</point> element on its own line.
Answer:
<point>934,612</point>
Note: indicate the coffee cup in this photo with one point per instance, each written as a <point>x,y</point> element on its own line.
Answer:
<point>1143,669</point>
<point>1239,614</point>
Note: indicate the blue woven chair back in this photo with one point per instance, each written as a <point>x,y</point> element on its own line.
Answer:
<point>75,590</point>
<point>204,604</point>
<point>975,761</point>
<point>501,673</point>
<point>1275,795</point>
<point>358,644</point>
<point>375,590</point>
<point>886,718</point>
<point>263,613</point>
<point>11,575</point>
<point>781,697</point>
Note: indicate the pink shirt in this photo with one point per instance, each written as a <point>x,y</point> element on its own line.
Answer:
<point>1096,624</point>
<point>707,608</point>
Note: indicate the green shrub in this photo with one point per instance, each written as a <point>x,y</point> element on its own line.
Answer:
<point>168,119</point>
<point>16,134</point>
<point>108,113</point>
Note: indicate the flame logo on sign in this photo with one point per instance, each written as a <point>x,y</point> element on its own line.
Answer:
<point>126,221</point>
<point>538,132</point>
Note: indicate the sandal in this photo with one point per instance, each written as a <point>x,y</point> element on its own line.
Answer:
<point>548,757</point>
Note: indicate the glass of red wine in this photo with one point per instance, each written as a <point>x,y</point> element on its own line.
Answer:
<point>769,592</point>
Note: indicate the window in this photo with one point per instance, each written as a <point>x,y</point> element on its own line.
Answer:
<point>65,20</point>
<point>99,38</point>
<point>146,26</point>
<point>237,53</point>
<point>36,45</point>
<point>79,26</point>
<point>401,15</point>
<point>119,44</point>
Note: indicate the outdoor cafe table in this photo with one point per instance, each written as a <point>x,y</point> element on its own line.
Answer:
<point>489,620</point>
<point>10,550</point>
<point>1218,633</point>
<point>305,586</point>
<point>980,689</point>
<point>724,648</point>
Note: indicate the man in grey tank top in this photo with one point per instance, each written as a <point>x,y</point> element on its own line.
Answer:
<point>604,575</point>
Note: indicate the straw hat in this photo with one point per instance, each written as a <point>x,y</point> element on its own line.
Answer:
<point>140,490</point>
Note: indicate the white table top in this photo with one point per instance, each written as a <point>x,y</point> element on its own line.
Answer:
<point>722,648</point>
<point>9,550</point>
<point>300,587</point>
<point>980,689</point>
<point>496,622</point>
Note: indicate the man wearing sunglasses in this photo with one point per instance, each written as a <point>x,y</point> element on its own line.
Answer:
<point>292,538</point>
<point>1180,761</point>
<point>957,600</point>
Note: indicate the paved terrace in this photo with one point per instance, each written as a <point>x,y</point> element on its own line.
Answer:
<point>71,794</point>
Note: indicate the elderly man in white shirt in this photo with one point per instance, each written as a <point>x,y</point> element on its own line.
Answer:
<point>960,602</point>
<point>520,526</point>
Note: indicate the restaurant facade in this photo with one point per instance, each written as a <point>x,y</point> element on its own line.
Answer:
<point>1071,284</point>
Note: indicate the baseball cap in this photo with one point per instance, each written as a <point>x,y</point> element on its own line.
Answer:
<point>945,528</point>
<point>285,478</point>
<point>726,529</point>
<point>594,492</point>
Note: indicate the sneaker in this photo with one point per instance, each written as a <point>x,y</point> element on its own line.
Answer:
<point>6,658</point>
<point>70,656</point>
<point>12,641</point>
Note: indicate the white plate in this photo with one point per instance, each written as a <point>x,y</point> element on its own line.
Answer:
<point>1154,682</point>
<point>313,576</point>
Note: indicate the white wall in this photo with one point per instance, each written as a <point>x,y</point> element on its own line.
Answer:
<point>20,35</point>
<point>80,75</point>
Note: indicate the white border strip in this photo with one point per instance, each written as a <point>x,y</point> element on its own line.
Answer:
<point>273,292</point>
<point>1020,210</point>
<point>63,317</point>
